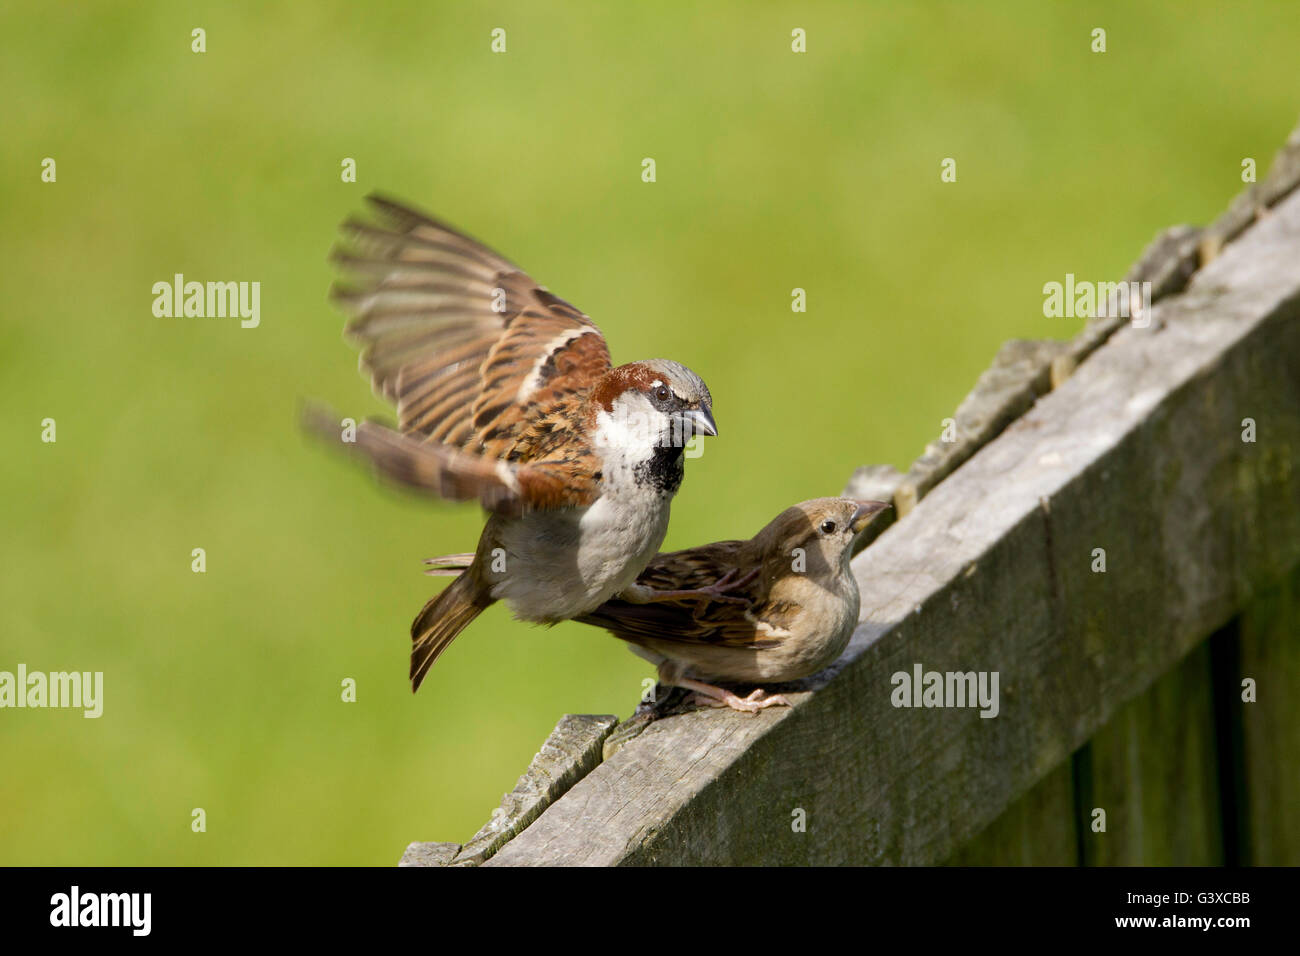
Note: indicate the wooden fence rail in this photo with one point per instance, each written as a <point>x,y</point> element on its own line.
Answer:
<point>1146,713</point>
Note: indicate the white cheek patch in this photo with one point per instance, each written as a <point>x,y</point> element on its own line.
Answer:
<point>633,427</point>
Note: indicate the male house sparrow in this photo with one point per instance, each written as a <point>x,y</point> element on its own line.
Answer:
<point>506,393</point>
<point>799,607</point>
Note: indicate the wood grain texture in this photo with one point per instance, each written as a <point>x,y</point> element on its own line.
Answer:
<point>571,751</point>
<point>1038,829</point>
<point>1269,634</point>
<point>1025,369</point>
<point>429,854</point>
<point>1154,771</point>
<point>1138,453</point>
<point>1021,371</point>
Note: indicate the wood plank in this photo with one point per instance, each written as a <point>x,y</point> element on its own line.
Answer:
<point>1020,373</point>
<point>1023,370</point>
<point>429,854</point>
<point>1154,771</point>
<point>1038,829</point>
<point>571,751</point>
<point>1269,635</point>
<point>1139,452</point>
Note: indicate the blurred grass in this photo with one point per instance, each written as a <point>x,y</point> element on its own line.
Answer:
<point>774,171</point>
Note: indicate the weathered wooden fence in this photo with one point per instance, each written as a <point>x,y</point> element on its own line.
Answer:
<point>1147,713</point>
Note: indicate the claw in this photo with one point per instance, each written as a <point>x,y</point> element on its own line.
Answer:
<point>718,697</point>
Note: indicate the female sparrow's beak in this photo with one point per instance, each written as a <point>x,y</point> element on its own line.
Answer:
<point>701,421</point>
<point>864,513</point>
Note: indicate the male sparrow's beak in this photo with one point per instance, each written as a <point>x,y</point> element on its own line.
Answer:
<point>701,421</point>
<point>864,513</point>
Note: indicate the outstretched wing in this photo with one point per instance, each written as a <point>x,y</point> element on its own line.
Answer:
<point>484,366</point>
<point>468,347</point>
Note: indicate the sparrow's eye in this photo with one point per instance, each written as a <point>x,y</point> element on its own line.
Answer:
<point>663,393</point>
<point>828,526</point>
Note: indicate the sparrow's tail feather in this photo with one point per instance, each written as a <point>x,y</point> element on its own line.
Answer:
<point>448,564</point>
<point>437,625</point>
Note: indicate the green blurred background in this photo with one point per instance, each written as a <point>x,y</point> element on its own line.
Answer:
<point>775,171</point>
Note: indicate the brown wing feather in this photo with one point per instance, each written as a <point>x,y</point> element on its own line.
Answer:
<point>508,487</point>
<point>691,622</point>
<point>697,567</point>
<point>466,345</point>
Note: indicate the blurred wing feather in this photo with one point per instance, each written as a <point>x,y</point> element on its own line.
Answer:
<point>505,487</point>
<point>465,344</point>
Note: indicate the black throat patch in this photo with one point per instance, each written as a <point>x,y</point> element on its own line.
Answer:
<point>662,470</point>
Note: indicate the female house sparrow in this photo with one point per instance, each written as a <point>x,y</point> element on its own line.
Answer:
<point>799,607</point>
<point>506,393</point>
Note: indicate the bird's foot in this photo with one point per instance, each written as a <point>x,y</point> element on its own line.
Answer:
<point>758,699</point>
